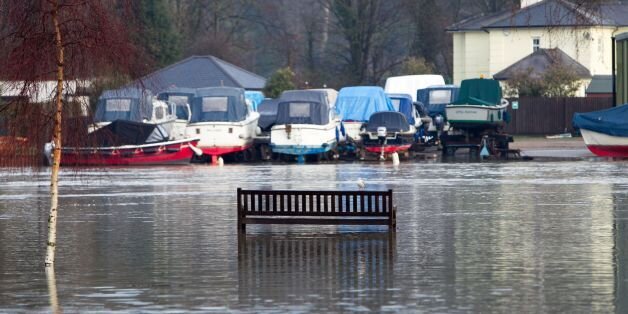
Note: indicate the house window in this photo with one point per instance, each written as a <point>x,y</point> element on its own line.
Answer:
<point>536,44</point>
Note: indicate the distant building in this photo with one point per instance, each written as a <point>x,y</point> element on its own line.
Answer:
<point>600,86</point>
<point>202,71</point>
<point>486,45</point>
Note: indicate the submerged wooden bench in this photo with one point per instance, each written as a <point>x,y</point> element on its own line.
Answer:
<point>316,207</point>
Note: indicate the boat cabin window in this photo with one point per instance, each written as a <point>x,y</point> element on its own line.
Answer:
<point>440,97</point>
<point>159,113</point>
<point>118,105</point>
<point>395,103</point>
<point>215,104</point>
<point>178,99</point>
<point>182,111</point>
<point>299,110</point>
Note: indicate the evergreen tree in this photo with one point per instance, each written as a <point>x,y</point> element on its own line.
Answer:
<point>156,33</point>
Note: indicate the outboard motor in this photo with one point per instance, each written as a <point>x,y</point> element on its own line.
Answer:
<point>381,138</point>
<point>439,121</point>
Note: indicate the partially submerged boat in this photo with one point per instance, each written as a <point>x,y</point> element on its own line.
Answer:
<point>180,99</point>
<point>435,100</point>
<point>479,105</point>
<point>605,132</point>
<point>133,104</point>
<point>223,121</point>
<point>355,105</point>
<point>387,132</point>
<point>267,110</point>
<point>305,124</point>
<point>124,142</point>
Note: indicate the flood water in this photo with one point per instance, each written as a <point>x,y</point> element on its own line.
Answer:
<point>471,237</point>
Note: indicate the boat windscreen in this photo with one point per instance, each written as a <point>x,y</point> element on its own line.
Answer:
<point>302,112</point>
<point>218,109</point>
<point>393,121</point>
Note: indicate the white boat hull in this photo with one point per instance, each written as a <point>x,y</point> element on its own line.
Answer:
<point>219,138</point>
<point>353,131</point>
<point>303,139</point>
<point>605,145</point>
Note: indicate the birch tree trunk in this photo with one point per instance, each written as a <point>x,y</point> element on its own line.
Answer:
<point>56,159</point>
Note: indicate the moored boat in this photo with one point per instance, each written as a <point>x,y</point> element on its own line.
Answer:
<point>479,105</point>
<point>305,124</point>
<point>355,105</point>
<point>128,143</point>
<point>222,120</point>
<point>387,132</point>
<point>133,104</point>
<point>605,132</point>
<point>180,99</point>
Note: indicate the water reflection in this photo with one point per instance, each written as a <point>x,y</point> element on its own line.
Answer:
<point>344,272</point>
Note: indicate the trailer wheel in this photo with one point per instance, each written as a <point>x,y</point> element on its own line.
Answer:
<point>474,151</point>
<point>449,151</point>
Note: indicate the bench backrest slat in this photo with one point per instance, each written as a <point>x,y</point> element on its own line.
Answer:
<point>314,203</point>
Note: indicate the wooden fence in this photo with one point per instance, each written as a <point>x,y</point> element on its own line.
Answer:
<point>543,116</point>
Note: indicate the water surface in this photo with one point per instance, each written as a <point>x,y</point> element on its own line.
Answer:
<point>494,237</point>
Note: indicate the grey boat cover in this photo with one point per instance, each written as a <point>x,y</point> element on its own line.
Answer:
<point>302,112</point>
<point>267,113</point>
<point>132,104</point>
<point>392,120</point>
<point>122,132</point>
<point>180,96</point>
<point>219,104</point>
<point>305,95</point>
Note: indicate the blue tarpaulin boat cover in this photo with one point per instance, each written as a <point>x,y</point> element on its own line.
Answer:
<point>219,104</point>
<point>255,97</point>
<point>436,98</point>
<point>403,103</point>
<point>609,121</point>
<point>131,104</point>
<point>360,102</point>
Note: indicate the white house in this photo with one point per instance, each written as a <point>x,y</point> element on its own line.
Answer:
<point>486,45</point>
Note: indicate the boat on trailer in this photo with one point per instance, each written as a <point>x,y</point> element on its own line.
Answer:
<point>128,143</point>
<point>387,132</point>
<point>223,121</point>
<point>479,104</point>
<point>306,124</point>
<point>355,105</point>
<point>133,104</point>
<point>605,132</point>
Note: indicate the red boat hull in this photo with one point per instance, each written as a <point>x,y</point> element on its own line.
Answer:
<point>219,151</point>
<point>167,154</point>
<point>609,151</point>
<point>388,149</point>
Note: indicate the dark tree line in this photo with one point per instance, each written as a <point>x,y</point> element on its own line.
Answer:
<point>332,42</point>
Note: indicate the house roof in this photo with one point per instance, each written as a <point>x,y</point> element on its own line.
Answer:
<point>202,71</point>
<point>548,13</point>
<point>539,61</point>
<point>600,84</point>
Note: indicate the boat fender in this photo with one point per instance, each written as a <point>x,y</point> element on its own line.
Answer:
<point>337,135</point>
<point>492,118</point>
<point>499,115</point>
<point>342,129</point>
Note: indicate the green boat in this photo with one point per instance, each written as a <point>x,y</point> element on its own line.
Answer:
<point>479,104</point>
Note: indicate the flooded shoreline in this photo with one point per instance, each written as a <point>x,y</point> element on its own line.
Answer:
<point>481,237</point>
